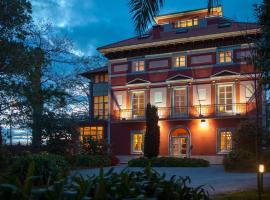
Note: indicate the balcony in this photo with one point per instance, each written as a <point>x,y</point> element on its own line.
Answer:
<point>189,112</point>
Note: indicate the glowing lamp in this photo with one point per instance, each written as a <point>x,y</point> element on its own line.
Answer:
<point>261,168</point>
<point>203,123</point>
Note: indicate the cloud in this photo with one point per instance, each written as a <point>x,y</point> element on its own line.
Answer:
<point>94,23</point>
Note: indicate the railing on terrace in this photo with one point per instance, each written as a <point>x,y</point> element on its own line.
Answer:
<point>185,112</point>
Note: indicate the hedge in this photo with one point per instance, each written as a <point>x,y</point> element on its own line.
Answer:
<point>168,162</point>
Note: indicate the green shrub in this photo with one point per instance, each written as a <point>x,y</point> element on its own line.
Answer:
<point>147,184</point>
<point>48,167</point>
<point>243,161</point>
<point>168,162</point>
<point>92,161</point>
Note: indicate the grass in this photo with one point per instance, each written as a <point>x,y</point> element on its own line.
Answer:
<point>244,195</point>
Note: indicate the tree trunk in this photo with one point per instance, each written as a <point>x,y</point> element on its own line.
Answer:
<point>37,107</point>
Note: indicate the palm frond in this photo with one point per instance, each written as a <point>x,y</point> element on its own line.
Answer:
<point>143,12</point>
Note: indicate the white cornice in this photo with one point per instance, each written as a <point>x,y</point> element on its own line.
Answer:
<point>180,40</point>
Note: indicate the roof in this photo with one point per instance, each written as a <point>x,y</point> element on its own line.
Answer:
<point>210,29</point>
<point>94,71</point>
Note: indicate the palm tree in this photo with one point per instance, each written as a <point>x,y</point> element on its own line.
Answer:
<point>143,12</point>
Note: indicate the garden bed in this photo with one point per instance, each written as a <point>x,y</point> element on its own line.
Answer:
<point>168,162</point>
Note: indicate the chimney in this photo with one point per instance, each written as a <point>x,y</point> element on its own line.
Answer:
<point>156,31</point>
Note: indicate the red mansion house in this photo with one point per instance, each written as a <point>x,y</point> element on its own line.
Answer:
<point>192,66</point>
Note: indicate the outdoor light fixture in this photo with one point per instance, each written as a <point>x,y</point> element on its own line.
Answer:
<point>203,123</point>
<point>261,168</point>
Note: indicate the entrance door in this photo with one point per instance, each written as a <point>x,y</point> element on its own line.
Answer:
<point>179,146</point>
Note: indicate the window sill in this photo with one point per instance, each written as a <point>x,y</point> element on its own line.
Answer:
<point>223,152</point>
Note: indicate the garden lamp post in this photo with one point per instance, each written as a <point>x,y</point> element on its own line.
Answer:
<point>260,180</point>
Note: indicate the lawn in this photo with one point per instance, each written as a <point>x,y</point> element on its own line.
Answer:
<point>244,195</point>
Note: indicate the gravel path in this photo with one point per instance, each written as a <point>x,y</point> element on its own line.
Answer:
<point>214,176</point>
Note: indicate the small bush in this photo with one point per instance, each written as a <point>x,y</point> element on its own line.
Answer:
<point>92,161</point>
<point>242,161</point>
<point>168,162</point>
<point>49,167</point>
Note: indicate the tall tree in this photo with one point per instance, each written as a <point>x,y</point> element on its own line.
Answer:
<point>152,134</point>
<point>144,11</point>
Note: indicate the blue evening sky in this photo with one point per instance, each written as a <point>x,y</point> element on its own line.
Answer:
<point>94,23</point>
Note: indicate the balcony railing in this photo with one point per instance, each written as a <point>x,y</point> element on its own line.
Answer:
<point>185,112</point>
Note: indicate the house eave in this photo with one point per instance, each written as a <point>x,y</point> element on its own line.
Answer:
<point>181,40</point>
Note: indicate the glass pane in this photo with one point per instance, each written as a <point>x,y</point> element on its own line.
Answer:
<point>189,22</point>
<point>97,78</point>
<point>106,79</point>
<point>195,21</point>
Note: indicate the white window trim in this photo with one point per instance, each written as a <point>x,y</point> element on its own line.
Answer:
<point>139,60</point>
<point>187,94</point>
<point>179,55</point>
<point>131,141</point>
<point>224,50</point>
<point>233,95</point>
<point>161,99</point>
<point>131,98</point>
<point>218,148</point>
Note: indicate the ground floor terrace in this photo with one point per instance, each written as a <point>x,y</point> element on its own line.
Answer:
<point>209,139</point>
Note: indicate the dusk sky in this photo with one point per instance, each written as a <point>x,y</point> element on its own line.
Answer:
<point>94,23</point>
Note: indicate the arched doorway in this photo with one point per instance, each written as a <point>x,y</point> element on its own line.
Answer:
<point>180,142</point>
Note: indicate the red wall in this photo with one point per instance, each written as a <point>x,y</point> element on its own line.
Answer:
<point>203,139</point>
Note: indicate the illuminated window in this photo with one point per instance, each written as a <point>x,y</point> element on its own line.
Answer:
<point>189,22</point>
<point>138,66</point>
<point>101,107</point>
<point>225,98</point>
<point>101,78</point>
<point>93,132</point>
<point>137,142</point>
<point>97,78</point>
<point>106,78</point>
<point>224,140</point>
<point>225,56</point>
<point>179,61</point>
<point>186,23</point>
<point>195,22</point>
<point>138,104</point>
<point>180,101</point>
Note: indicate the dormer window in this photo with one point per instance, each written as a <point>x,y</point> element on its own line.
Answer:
<point>186,23</point>
<point>138,66</point>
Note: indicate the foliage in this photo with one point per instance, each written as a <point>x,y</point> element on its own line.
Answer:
<point>61,132</point>
<point>245,136</point>
<point>144,11</point>
<point>262,13</point>
<point>92,161</point>
<point>5,157</point>
<point>95,147</point>
<point>243,161</point>
<point>168,162</point>
<point>152,134</point>
<point>124,185</point>
<point>48,167</point>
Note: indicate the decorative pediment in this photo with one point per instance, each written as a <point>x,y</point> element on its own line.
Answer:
<point>225,73</point>
<point>179,77</point>
<point>138,81</point>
